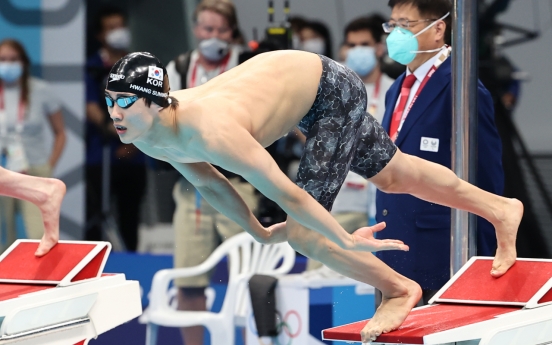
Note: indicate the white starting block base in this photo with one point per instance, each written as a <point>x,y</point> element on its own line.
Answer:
<point>82,305</point>
<point>474,308</point>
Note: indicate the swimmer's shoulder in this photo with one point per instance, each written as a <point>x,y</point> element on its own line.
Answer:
<point>286,55</point>
<point>191,123</point>
<point>284,64</point>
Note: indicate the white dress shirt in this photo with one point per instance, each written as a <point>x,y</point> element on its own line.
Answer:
<point>420,73</point>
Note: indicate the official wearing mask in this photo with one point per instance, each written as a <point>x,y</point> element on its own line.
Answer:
<point>127,163</point>
<point>418,117</point>
<point>199,228</point>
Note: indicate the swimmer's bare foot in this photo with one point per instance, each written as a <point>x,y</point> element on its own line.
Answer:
<point>392,312</point>
<point>506,231</point>
<point>50,207</point>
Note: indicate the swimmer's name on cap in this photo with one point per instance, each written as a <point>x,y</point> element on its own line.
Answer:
<point>148,91</point>
<point>143,74</point>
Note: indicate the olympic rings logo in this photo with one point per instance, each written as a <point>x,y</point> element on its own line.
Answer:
<point>289,326</point>
<point>285,324</point>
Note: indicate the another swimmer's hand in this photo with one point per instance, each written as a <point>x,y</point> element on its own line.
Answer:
<point>363,240</point>
<point>277,233</point>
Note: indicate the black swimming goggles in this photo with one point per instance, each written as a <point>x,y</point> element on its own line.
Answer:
<point>123,102</point>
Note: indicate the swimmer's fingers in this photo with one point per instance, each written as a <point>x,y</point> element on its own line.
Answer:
<point>378,227</point>
<point>392,245</point>
<point>374,245</point>
<point>368,231</point>
<point>365,241</point>
<point>392,241</point>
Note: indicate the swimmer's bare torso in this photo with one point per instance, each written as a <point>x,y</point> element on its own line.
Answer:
<point>264,98</point>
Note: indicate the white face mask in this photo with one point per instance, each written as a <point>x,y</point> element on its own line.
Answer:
<point>119,38</point>
<point>214,49</point>
<point>314,45</point>
<point>295,41</point>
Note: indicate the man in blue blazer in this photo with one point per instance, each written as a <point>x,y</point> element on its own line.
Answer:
<point>423,127</point>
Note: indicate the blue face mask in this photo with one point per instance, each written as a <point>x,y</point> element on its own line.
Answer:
<point>361,60</point>
<point>10,71</point>
<point>402,44</point>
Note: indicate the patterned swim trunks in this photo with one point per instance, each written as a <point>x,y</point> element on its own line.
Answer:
<point>341,135</point>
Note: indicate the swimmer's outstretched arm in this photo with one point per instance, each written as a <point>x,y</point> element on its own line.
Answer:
<point>237,151</point>
<point>220,194</point>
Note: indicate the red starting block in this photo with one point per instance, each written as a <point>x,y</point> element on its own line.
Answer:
<point>475,308</point>
<point>63,297</point>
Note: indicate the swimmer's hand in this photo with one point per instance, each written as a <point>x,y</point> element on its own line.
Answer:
<point>363,240</point>
<point>276,233</point>
<point>46,243</point>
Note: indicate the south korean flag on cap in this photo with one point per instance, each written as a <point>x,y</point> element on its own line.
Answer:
<point>155,73</point>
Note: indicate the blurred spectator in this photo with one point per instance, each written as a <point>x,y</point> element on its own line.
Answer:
<point>342,53</point>
<point>199,228</point>
<point>27,107</point>
<point>296,24</point>
<point>127,163</point>
<point>315,38</point>
<point>362,51</point>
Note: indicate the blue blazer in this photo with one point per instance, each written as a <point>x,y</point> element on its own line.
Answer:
<point>424,226</point>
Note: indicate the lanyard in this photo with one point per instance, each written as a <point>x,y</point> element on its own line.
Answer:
<point>440,59</point>
<point>3,117</point>
<point>197,210</point>
<point>222,68</point>
<point>374,101</point>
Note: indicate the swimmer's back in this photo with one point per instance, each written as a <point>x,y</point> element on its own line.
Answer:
<point>270,92</point>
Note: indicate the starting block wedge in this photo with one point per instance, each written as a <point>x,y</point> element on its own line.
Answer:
<point>475,308</point>
<point>62,298</point>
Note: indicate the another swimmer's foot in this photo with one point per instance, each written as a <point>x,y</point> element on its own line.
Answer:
<point>50,208</point>
<point>392,312</point>
<point>506,232</point>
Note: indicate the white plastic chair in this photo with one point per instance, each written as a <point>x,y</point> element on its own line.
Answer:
<point>246,257</point>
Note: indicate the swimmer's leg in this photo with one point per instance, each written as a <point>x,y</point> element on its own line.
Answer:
<point>438,184</point>
<point>400,294</point>
<point>46,193</point>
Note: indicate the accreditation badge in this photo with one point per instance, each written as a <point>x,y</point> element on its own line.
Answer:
<point>16,160</point>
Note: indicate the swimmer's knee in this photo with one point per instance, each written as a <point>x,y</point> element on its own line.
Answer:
<point>297,246</point>
<point>388,185</point>
<point>309,246</point>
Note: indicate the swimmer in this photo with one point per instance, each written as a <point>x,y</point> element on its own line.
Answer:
<point>229,121</point>
<point>45,193</point>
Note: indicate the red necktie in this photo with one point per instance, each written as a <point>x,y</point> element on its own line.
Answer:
<point>397,114</point>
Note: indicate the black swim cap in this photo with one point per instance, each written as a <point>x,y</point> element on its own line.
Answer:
<point>142,74</point>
